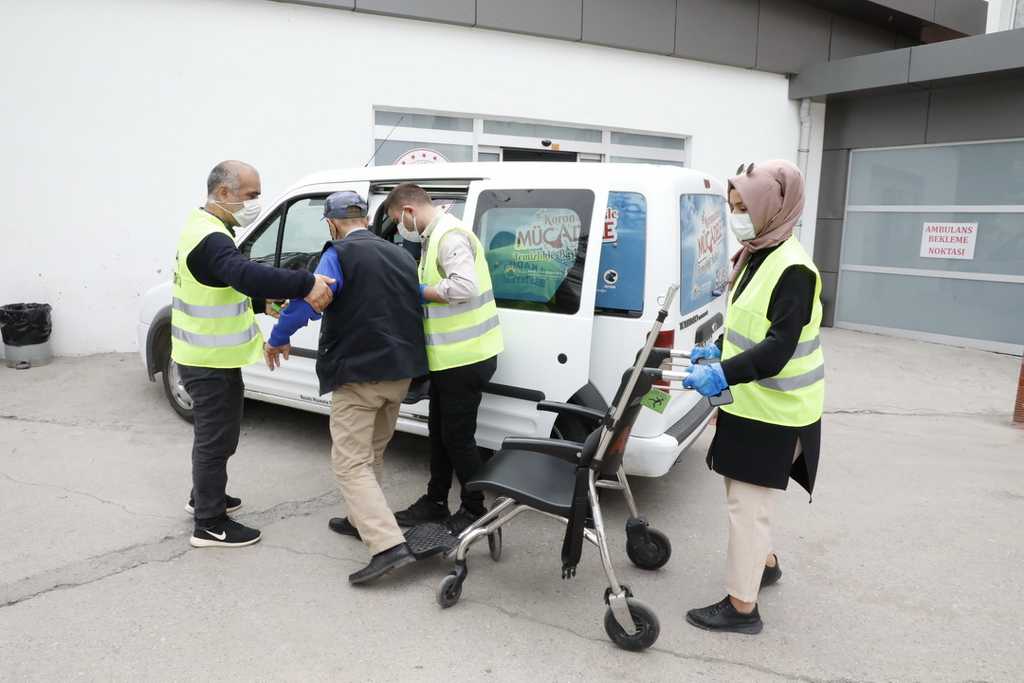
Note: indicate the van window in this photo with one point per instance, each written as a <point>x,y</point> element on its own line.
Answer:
<point>704,258</point>
<point>620,280</point>
<point>305,233</point>
<point>536,243</point>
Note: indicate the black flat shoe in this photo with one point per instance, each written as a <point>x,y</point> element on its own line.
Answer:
<point>722,616</point>
<point>771,575</point>
<point>341,525</point>
<point>422,511</point>
<point>382,563</point>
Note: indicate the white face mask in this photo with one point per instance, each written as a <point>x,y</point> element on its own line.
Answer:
<point>408,235</point>
<point>742,226</point>
<point>245,215</point>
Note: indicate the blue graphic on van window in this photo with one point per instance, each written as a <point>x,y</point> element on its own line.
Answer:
<point>705,262</point>
<point>620,279</point>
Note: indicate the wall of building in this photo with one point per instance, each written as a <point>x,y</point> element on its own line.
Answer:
<point>987,110</point>
<point>117,109</point>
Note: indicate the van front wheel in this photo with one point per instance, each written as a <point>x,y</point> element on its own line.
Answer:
<point>174,389</point>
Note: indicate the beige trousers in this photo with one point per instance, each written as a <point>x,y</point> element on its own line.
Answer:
<point>750,535</point>
<point>363,418</point>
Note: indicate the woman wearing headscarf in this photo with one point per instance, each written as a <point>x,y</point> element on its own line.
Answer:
<point>770,357</point>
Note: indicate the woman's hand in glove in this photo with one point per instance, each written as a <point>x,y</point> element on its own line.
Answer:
<point>708,380</point>
<point>711,352</point>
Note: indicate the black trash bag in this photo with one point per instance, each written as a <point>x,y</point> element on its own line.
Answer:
<point>25,324</point>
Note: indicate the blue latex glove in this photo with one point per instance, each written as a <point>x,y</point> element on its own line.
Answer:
<point>708,380</point>
<point>711,352</point>
<point>423,299</point>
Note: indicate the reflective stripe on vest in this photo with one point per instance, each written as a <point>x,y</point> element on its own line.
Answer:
<point>466,332</point>
<point>212,327</point>
<point>795,396</point>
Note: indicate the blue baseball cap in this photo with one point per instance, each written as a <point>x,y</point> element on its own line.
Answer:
<point>347,204</point>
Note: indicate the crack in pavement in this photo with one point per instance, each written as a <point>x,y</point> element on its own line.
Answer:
<point>85,494</point>
<point>921,413</point>
<point>116,426</point>
<point>169,548</point>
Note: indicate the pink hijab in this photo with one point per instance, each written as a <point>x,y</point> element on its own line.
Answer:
<point>773,192</point>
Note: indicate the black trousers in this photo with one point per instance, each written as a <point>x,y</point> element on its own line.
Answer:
<point>455,396</point>
<point>217,399</point>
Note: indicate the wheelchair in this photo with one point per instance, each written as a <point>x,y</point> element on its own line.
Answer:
<point>561,479</point>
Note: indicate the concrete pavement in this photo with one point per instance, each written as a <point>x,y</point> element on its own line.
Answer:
<point>907,566</point>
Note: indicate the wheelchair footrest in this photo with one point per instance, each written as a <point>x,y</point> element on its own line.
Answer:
<point>427,540</point>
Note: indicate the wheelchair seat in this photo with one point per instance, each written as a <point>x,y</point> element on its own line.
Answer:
<point>531,478</point>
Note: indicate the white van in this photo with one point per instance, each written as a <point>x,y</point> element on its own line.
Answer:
<point>579,256</point>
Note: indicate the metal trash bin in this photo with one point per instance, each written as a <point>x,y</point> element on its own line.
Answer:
<point>26,329</point>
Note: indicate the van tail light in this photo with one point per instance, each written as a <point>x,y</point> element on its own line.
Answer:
<point>665,340</point>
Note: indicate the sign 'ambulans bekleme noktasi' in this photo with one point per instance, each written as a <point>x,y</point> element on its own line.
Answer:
<point>949,240</point>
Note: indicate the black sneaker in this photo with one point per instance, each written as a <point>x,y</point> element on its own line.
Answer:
<point>223,533</point>
<point>422,511</point>
<point>341,525</point>
<point>230,502</point>
<point>458,522</point>
<point>771,574</point>
<point>722,616</point>
<point>382,563</point>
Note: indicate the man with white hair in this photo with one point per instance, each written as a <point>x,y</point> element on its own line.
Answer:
<point>214,335</point>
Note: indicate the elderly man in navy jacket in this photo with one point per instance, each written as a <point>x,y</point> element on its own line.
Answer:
<point>371,347</point>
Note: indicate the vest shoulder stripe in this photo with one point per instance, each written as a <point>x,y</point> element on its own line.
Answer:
<point>803,349</point>
<point>215,340</point>
<point>436,310</point>
<point>796,381</point>
<point>440,339</point>
<point>222,311</point>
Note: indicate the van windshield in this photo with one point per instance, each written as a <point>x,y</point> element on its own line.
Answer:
<point>704,259</point>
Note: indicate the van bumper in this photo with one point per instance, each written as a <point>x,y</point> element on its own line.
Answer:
<point>655,456</point>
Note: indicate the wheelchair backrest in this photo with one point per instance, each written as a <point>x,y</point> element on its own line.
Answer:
<point>620,435</point>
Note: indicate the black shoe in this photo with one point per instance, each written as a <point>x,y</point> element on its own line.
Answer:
<point>771,574</point>
<point>422,511</point>
<point>722,616</point>
<point>458,522</point>
<point>230,502</point>
<point>382,563</point>
<point>341,525</point>
<point>223,533</point>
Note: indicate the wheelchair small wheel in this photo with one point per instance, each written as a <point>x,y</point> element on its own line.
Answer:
<point>494,545</point>
<point>648,628</point>
<point>654,554</point>
<point>449,592</point>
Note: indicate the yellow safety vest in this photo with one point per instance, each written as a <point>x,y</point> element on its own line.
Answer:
<point>211,327</point>
<point>460,333</point>
<point>795,397</point>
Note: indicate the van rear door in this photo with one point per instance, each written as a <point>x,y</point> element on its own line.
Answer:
<point>543,247</point>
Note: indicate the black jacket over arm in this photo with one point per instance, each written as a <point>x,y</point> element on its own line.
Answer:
<point>750,450</point>
<point>216,262</point>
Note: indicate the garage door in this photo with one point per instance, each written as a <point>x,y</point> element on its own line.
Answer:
<point>933,244</point>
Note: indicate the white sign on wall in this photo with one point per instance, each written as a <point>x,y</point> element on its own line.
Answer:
<point>949,240</point>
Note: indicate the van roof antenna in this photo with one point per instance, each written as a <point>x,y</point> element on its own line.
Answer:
<point>386,138</point>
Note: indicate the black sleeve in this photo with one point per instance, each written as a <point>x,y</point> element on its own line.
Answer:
<point>789,310</point>
<point>216,262</point>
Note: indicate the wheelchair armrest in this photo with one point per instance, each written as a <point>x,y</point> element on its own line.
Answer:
<point>589,414</point>
<point>563,450</point>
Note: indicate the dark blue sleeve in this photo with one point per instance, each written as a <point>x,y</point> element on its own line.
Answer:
<point>216,262</point>
<point>298,313</point>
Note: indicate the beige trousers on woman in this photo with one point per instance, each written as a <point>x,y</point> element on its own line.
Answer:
<point>750,535</point>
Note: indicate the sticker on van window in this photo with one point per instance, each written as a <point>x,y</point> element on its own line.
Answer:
<point>530,251</point>
<point>704,245</point>
<point>620,286</point>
